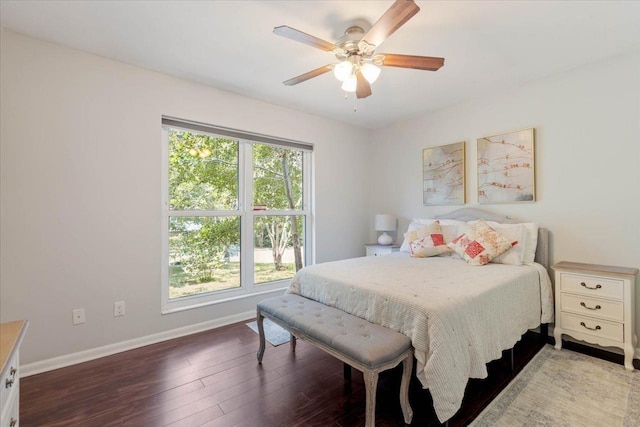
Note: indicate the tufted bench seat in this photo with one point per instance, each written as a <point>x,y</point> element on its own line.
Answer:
<point>363,345</point>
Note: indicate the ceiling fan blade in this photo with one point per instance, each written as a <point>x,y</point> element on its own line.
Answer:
<point>399,13</point>
<point>308,75</point>
<point>299,36</point>
<point>363,89</point>
<point>411,61</point>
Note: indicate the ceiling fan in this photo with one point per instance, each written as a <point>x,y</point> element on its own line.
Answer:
<point>358,63</point>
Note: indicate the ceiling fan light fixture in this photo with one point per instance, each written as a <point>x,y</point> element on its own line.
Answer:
<point>343,70</point>
<point>350,83</point>
<point>370,72</point>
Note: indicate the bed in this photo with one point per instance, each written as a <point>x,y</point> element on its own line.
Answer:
<point>458,317</point>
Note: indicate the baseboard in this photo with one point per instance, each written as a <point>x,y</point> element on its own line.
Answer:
<point>107,350</point>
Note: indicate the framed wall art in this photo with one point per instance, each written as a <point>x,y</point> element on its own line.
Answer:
<point>506,168</point>
<point>443,180</point>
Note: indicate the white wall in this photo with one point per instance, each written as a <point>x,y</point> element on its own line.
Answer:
<point>587,124</point>
<point>80,191</point>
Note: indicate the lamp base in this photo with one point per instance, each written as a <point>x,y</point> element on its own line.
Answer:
<point>385,239</point>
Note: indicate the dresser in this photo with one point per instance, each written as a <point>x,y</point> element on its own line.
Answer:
<point>11,335</point>
<point>595,303</point>
<point>375,249</point>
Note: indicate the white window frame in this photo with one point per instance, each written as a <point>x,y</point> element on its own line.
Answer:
<point>245,211</point>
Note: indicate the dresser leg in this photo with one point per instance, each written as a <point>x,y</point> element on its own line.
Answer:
<point>628,357</point>
<point>557,334</point>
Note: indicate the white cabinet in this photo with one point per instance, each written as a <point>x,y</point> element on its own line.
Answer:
<point>377,250</point>
<point>595,303</point>
<point>11,335</point>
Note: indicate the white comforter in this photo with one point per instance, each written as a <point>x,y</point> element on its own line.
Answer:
<point>458,317</point>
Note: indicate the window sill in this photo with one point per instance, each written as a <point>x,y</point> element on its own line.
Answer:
<point>199,301</point>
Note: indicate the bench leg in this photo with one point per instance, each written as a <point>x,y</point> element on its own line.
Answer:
<point>407,368</point>
<point>260,321</point>
<point>371,386</point>
<point>346,371</point>
<point>512,364</point>
<point>292,343</point>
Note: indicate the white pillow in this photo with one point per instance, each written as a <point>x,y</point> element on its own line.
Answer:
<point>531,242</point>
<point>449,229</point>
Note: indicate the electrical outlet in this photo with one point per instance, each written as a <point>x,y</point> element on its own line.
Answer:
<point>118,308</point>
<point>78,316</point>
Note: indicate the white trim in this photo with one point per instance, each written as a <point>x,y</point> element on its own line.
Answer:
<point>217,297</point>
<point>107,350</point>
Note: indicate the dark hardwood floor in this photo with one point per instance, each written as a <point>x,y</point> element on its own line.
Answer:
<point>212,378</point>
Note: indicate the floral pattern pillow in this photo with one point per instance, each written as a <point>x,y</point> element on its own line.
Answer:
<point>480,244</point>
<point>427,241</point>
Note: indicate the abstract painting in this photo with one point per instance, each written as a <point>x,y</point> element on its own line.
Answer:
<point>506,168</point>
<point>443,175</point>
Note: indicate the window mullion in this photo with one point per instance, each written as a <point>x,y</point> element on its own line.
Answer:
<point>202,213</point>
<point>307,205</point>
<point>246,231</point>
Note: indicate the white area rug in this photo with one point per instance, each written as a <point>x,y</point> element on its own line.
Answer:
<point>564,388</point>
<point>272,332</point>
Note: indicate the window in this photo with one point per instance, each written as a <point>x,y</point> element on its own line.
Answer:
<point>236,213</point>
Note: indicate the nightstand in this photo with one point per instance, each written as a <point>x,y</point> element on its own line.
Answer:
<point>595,303</point>
<point>375,249</point>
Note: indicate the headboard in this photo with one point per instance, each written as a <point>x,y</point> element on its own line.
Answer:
<point>471,214</point>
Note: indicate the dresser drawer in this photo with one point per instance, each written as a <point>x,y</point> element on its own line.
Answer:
<point>595,327</point>
<point>606,309</point>
<point>11,414</point>
<point>592,286</point>
<point>9,382</point>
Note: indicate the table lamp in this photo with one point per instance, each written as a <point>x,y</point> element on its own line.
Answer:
<point>384,223</point>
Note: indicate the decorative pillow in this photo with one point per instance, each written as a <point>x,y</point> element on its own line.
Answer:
<point>427,241</point>
<point>514,233</point>
<point>480,244</point>
<point>449,230</point>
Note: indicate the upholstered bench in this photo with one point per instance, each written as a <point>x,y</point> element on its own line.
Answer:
<point>363,345</point>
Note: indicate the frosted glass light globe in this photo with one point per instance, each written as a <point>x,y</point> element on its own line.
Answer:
<point>350,83</point>
<point>370,72</point>
<point>342,70</point>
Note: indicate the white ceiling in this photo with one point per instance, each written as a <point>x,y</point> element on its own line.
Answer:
<point>488,45</point>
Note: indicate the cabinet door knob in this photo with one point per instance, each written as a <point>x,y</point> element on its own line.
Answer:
<point>589,287</point>
<point>597,307</point>
<point>597,328</point>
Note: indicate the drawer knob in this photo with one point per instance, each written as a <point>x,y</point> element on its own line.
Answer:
<point>8,382</point>
<point>589,287</point>
<point>597,307</point>
<point>597,328</point>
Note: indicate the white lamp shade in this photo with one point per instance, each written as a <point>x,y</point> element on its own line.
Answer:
<point>350,83</point>
<point>342,70</point>
<point>384,222</point>
<point>370,72</point>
